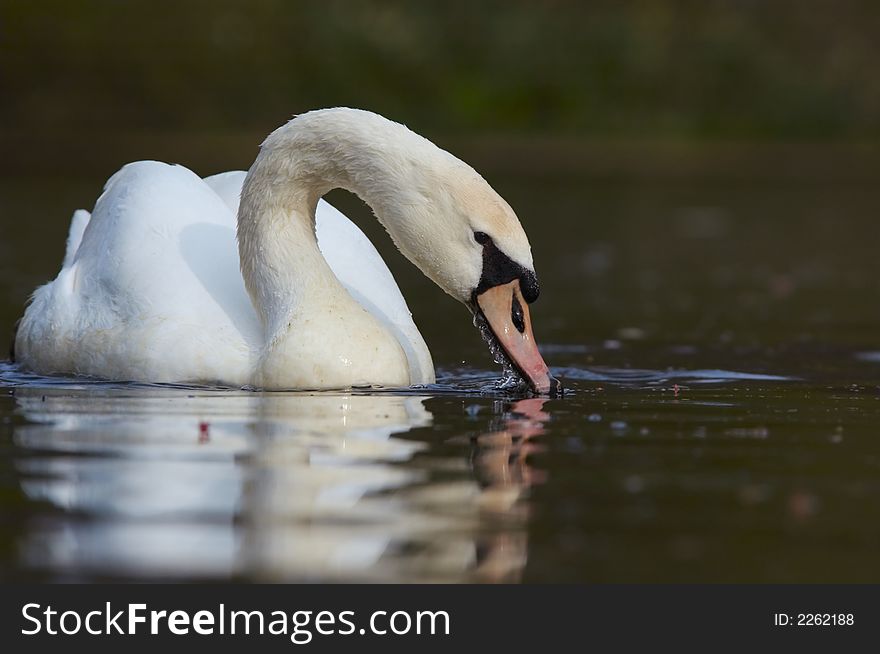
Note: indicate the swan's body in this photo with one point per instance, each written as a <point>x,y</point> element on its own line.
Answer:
<point>156,293</point>
<point>154,288</point>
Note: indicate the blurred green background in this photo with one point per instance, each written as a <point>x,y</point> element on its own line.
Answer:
<point>745,70</point>
<point>705,69</point>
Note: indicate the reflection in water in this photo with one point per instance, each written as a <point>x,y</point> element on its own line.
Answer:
<point>276,486</point>
<point>504,473</point>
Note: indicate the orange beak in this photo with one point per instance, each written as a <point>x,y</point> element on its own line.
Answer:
<point>507,313</point>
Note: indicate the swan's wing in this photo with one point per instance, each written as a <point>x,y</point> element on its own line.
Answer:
<point>359,267</point>
<point>153,290</point>
<point>228,187</point>
<point>74,235</point>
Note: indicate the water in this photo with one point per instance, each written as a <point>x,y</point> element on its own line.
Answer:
<point>511,380</point>
<point>719,343</point>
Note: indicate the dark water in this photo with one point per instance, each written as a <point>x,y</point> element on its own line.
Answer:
<point>721,346</point>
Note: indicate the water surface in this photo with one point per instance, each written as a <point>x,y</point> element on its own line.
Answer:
<point>720,343</point>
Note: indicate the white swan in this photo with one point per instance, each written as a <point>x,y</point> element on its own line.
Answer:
<point>153,287</point>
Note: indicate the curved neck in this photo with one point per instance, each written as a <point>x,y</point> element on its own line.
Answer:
<point>282,267</point>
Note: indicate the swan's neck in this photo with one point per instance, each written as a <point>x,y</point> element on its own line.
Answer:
<point>282,267</point>
<point>298,163</point>
<point>284,271</point>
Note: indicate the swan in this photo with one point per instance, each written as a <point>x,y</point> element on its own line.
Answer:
<point>154,288</point>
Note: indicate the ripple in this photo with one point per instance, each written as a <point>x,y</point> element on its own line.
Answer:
<point>651,377</point>
<point>453,381</point>
<point>450,381</point>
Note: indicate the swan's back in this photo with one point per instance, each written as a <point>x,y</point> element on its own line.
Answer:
<point>152,292</point>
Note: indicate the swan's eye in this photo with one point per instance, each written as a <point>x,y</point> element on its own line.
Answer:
<point>482,238</point>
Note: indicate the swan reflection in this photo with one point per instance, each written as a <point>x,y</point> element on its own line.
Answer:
<point>274,487</point>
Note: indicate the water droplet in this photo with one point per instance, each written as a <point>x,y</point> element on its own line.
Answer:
<point>510,377</point>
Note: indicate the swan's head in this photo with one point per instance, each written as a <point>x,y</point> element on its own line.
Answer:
<point>468,240</point>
